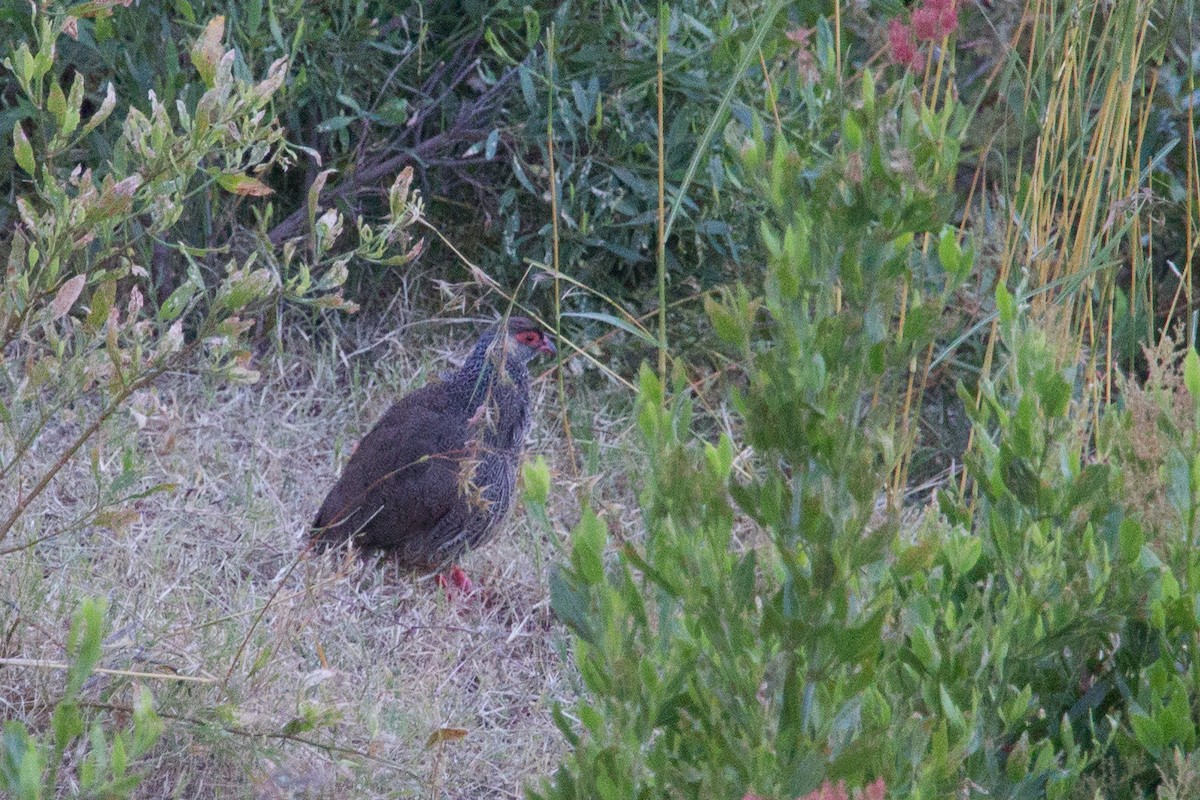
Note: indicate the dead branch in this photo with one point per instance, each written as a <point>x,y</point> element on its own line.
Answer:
<point>472,121</point>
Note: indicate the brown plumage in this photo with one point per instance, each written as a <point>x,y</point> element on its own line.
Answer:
<point>435,476</point>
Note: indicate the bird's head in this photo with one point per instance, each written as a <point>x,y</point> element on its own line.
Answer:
<point>525,339</point>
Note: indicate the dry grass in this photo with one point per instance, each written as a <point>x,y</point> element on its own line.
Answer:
<point>209,581</point>
<point>1161,418</point>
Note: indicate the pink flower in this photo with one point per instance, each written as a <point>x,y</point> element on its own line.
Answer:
<point>935,20</point>
<point>925,24</point>
<point>900,41</point>
<point>948,19</point>
<point>828,792</point>
<point>806,60</point>
<point>902,46</point>
<point>875,791</point>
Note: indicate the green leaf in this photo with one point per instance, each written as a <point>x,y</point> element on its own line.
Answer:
<point>1055,393</point>
<point>177,302</point>
<point>725,321</point>
<point>83,643</point>
<point>1005,303</point>
<point>564,725</point>
<point>493,41</point>
<point>336,123</point>
<point>951,710</point>
<point>851,132</point>
<point>243,185</point>
<point>147,725</point>
<point>22,65</point>
<point>70,116</point>
<point>243,288</point>
<point>868,93</point>
<point>533,27</point>
<point>1191,373</point>
<point>22,150</point>
<point>650,391</point>
<point>616,322</point>
<point>300,724</point>
<point>117,756</point>
<point>571,605</point>
<point>1131,539</point>
<point>587,554</point>
<point>1176,718</point>
<point>56,102</point>
<point>207,51</point>
<point>535,476</point>
<point>855,642</point>
<point>21,763</point>
<point>949,253</point>
<point>962,553</point>
<point>720,458</point>
<point>924,647</point>
<point>1147,732</point>
<point>106,108</point>
<point>67,724</point>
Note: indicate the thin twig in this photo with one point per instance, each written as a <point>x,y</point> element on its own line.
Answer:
<point>236,731</point>
<point>562,392</point>
<point>660,252</point>
<point>36,663</point>
<point>237,657</point>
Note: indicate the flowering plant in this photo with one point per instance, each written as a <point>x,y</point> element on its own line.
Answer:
<point>932,21</point>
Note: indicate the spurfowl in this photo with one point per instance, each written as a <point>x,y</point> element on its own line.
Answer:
<point>435,476</point>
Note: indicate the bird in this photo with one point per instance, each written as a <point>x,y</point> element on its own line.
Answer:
<point>435,477</point>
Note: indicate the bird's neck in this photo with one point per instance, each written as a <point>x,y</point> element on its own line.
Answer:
<point>479,377</point>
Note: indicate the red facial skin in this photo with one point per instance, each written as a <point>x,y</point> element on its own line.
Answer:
<point>536,341</point>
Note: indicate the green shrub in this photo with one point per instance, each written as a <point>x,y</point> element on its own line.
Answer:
<point>780,627</point>
<point>29,764</point>
<point>84,329</point>
<point>466,93</point>
<point>81,324</point>
<point>711,669</point>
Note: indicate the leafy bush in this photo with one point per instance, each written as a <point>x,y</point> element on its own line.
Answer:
<point>85,331</point>
<point>780,633</point>
<point>710,669</point>
<point>29,765</point>
<point>81,325</point>
<point>318,60</point>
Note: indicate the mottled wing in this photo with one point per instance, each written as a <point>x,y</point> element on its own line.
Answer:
<point>402,480</point>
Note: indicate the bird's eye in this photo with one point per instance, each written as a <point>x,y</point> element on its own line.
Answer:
<point>529,337</point>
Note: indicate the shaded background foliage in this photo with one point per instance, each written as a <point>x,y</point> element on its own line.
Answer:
<point>465,91</point>
<point>462,91</point>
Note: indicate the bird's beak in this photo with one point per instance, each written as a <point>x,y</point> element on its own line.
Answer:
<point>548,347</point>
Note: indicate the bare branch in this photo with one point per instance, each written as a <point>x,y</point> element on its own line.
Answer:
<point>473,121</point>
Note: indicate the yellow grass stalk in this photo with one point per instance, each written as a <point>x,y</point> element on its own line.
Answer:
<point>1084,181</point>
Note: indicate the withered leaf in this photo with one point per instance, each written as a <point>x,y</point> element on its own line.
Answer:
<point>445,735</point>
<point>244,185</point>
<point>66,296</point>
